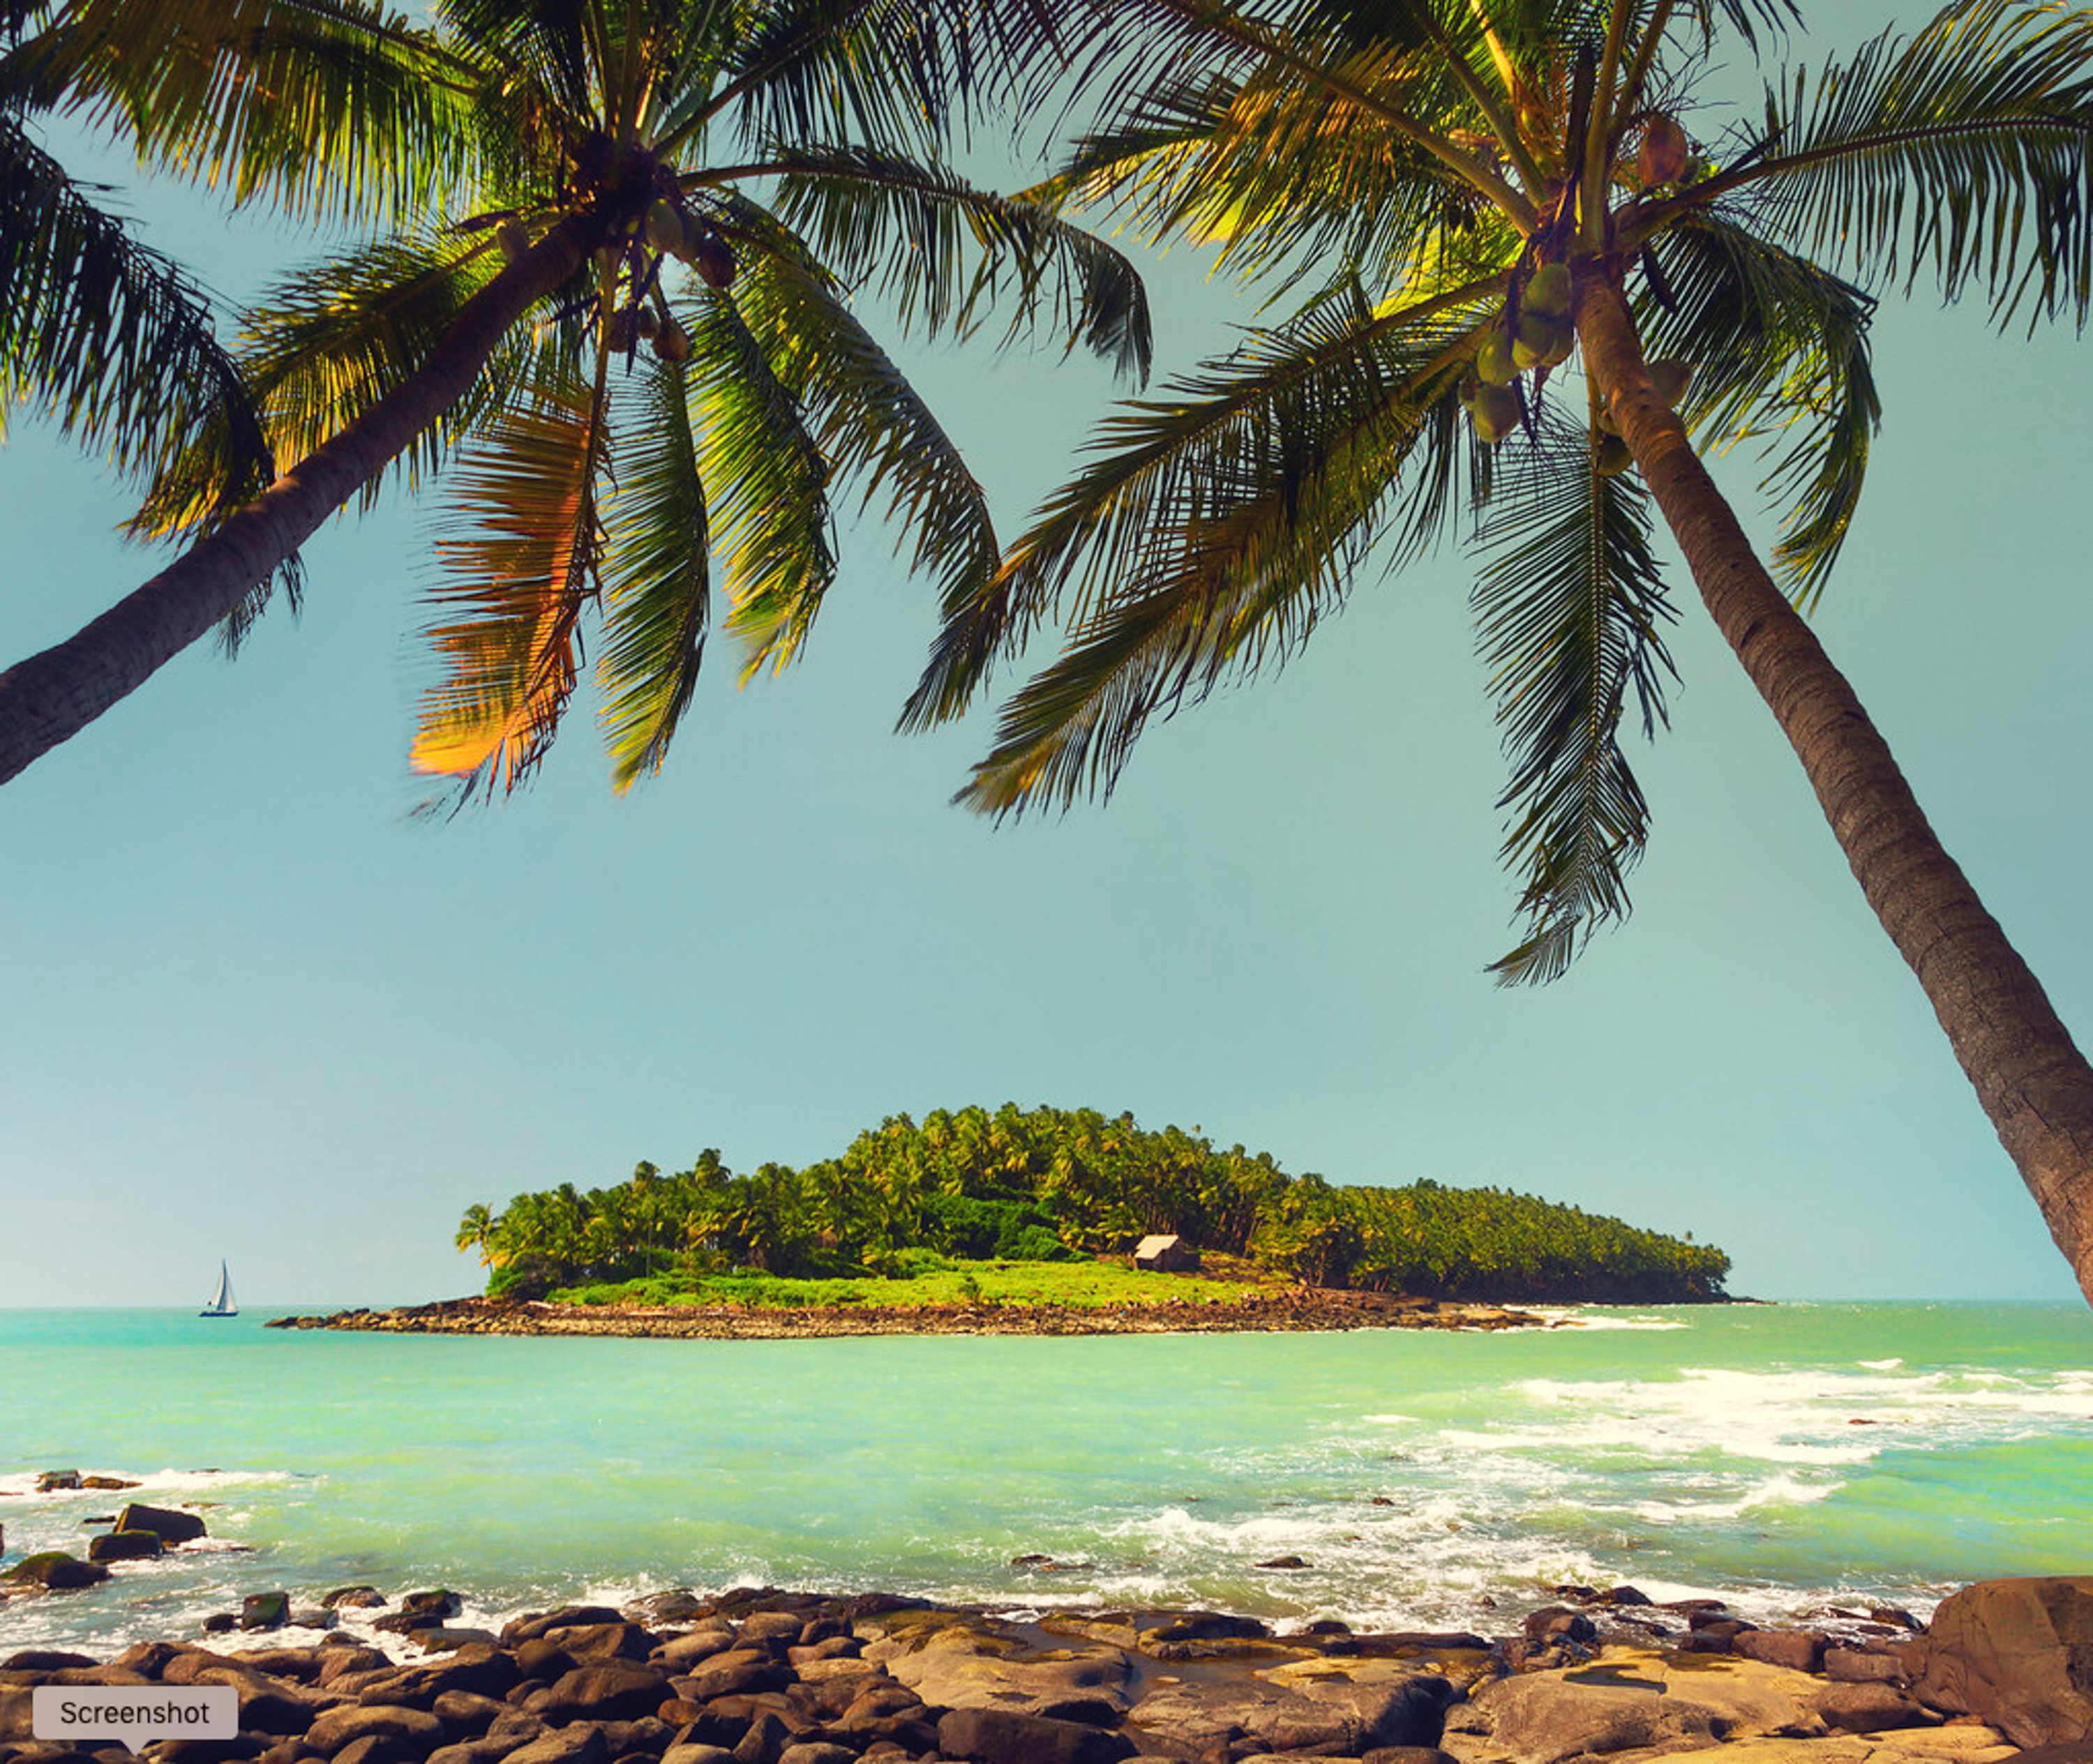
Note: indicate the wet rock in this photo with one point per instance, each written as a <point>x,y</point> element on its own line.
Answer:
<point>590,1643</point>
<point>43,1660</point>
<point>449,1638</point>
<point>110,1485</point>
<point>53,1571</point>
<point>677,1604</point>
<point>2018,1655</point>
<point>337,1728</point>
<point>1558,1623</point>
<point>57,1481</point>
<point>530,1628</point>
<point>353,1598</point>
<point>618,1690</point>
<point>737,1672</point>
<point>683,1652</point>
<point>264,1610</point>
<point>779,1626</point>
<point>172,1528</point>
<point>1283,1562</point>
<point>378,1748</point>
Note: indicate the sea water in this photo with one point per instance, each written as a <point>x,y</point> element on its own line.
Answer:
<point>1785,1458</point>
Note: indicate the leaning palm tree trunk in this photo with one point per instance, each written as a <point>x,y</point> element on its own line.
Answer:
<point>2030,1078</point>
<point>55,694</point>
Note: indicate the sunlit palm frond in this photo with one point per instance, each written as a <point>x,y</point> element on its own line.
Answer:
<point>518,554</point>
<point>766,485</point>
<point>657,589</point>
<point>1964,152</point>
<point>543,44</point>
<point>939,248</point>
<point>111,338</point>
<point>1212,546</point>
<point>328,109</point>
<point>1780,348</point>
<point>871,425</point>
<point>1569,616</point>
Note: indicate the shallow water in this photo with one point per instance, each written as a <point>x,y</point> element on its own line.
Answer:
<point>1781,1456</point>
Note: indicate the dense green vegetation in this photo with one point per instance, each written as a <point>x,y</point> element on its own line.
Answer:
<point>906,1200</point>
<point>1081,1284</point>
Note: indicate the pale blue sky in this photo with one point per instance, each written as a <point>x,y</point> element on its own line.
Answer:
<point>253,1009</point>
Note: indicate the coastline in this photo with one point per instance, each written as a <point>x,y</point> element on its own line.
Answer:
<point>1294,1310</point>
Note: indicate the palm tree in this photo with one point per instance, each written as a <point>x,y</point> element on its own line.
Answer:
<point>1501,184</point>
<point>651,219</point>
<point>103,334</point>
<point>476,1230</point>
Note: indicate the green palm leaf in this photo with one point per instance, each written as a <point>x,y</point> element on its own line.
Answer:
<point>657,597</point>
<point>1282,471</point>
<point>766,483</point>
<point>1569,612</point>
<point>935,245</point>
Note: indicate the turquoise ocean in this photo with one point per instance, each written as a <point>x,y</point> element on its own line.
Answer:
<point>1784,1457</point>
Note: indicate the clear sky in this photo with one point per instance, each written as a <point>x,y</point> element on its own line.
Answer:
<point>250,1008</point>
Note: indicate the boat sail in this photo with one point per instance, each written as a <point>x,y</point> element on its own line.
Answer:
<point>222,1303</point>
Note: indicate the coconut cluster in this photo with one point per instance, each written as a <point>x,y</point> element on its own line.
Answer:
<point>1542,336</point>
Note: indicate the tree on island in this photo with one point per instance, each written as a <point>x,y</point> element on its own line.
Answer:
<point>626,333</point>
<point>1051,1184</point>
<point>1483,189</point>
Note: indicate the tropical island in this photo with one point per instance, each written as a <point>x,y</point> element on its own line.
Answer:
<point>1028,1221</point>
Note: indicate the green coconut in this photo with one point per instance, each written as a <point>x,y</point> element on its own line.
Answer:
<point>1494,365</point>
<point>665,226</point>
<point>1613,457</point>
<point>621,331</point>
<point>1548,291</point>
<point>714,258</point>
<point>1542,341</point>
<point>1495,414</point>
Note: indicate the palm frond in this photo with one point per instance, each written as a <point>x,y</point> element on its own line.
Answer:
<point>1217,532</point>
<point>545,42</point>
<point>325,344</point>
<point>766,484</point>
<point>113,340</point>
<point>1781,349</point>
<point>1569,610</point>
<point>940,247</point>
<point>328,109</point>
<point>657,597</point>
<point>1966,152</point>
<point>870,424</point>
<point>518,554</point>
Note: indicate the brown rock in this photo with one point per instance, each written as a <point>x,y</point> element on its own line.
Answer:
<point>333,1730</point>
<point>581,1743</point>
<point>379,1749</point>
<point>618,1690</point>
<point>527,1628</point>
<point>172,1527</point>
<point>1799,1650</point>
<point>684,1652</point>
<point>2018,1655</point>
<point>124,1546</point>
<point>589,1643</point>
<point>999,1736</point>
<point>1870,1708</point>
<point>353,1598</point>
<point>1863,1666</point>
<point>737,1671</point>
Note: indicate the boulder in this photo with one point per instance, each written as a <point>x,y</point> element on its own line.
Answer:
<point>616,1691</point>
<point>480,1667</point>
<point>1863,1666</point>
<point>337,1728</point>
<point>483,1749</point>
<point>581,1743</point>
<point>265,1611</point>
<point>591,1642</point>
<point>529,1628</point>
<point>779,1626</point>
<point>1335,1707</point>
<point>816,1752</point>
<point>1870,1708</point>
<point>2018,1655</point>
<point>108,1484</point>
<point>379,1749</point>
<point>55,1571</point>
<point>683,1652</point>
<point>1558,1623</point>
<point>1631,1699</point>
<point>675,1605</point>
<point>124,1546</point>
<point>466,1714</point>
<point>737,1672</point>
<point>1004,1736</point>
<point>353,1598</point>
<point>173,1528</point>
<point>56,1481</point>
<point>43,1660</point>
<point>964,1668</point>
<point>1799,1650</point>
<point>690,1754</point>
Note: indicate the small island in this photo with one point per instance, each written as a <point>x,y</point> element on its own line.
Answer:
<point>1037,1222</point>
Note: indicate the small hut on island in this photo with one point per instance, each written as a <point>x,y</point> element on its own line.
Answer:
<point>1166,1254</point>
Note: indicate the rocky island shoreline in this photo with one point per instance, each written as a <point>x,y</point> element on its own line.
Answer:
<point>764,1676</point>
<point>1295,1309</point>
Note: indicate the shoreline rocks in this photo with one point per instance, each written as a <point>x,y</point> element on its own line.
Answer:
<point>1292,1309</point>
<point>760,1676</point>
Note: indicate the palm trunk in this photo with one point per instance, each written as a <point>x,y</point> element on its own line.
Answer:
<point>2032,1080</point>
<point>58,692</point>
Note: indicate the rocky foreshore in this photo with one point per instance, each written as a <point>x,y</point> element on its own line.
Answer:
<point>769,1677</point>
<point>1298,1308</point>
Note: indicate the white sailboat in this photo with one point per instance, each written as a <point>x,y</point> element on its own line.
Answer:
<point>222,1303</point>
